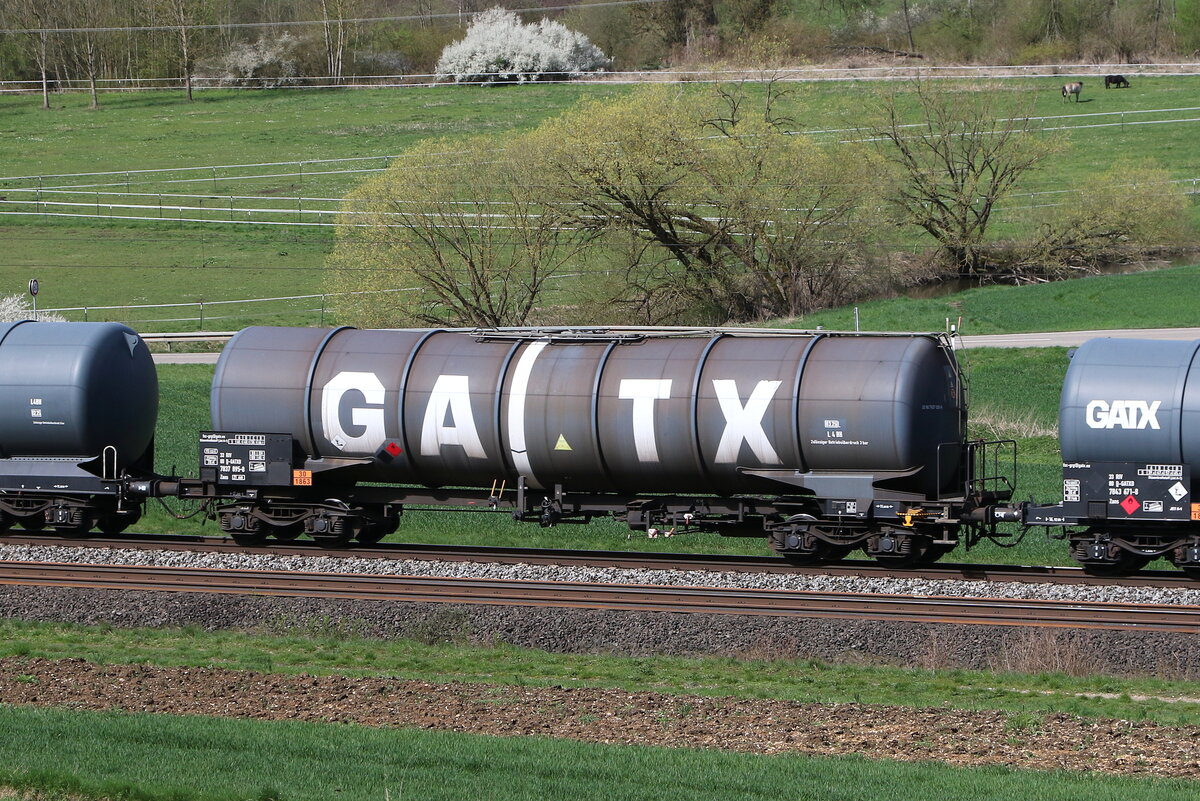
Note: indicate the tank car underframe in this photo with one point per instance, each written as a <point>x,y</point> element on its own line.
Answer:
<point>65,498</point>
<point>1115,549</point>
<point>67,514</point>
<point>804,529</point>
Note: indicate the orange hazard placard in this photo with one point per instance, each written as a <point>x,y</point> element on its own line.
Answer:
<point>1196,511</point>
<point>303,478</point>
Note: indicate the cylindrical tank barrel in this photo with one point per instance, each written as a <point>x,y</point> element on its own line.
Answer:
<point>74,389</point>
<point>662,412</point>
<point>1132,400</point>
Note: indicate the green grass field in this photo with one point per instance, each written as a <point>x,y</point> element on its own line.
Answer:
<point>1162,298</point>
<point>85,261</point>
<point>111,755</point>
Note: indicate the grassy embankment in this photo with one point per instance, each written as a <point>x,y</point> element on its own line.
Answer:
<point>115,754</point>
<point>90,262</point>
<point>1164,298</point>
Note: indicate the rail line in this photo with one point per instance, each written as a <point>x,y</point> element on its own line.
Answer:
<point>1030,574</point>
<point>651,598</point>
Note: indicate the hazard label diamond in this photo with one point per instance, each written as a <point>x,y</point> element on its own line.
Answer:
<point>1177,490</point>
<point>1130,504</point>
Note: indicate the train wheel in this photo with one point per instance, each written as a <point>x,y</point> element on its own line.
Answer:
<point>112,523</point>
<point>901,549</point>
<point>374,532</point>
<point>934,553</point>
<point>341,531</point>
<point>1123,565</point>
<point>249,539</point>
<point>79,529</point>
<point>824,553</point>
<point>33,522</point>
<point>242,527</point>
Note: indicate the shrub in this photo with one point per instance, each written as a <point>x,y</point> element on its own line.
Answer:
<point>265,63</point>
<point>499,47</point>
<point>1122,213</point>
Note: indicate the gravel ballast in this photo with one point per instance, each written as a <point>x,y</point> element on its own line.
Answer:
<point>678,578</point>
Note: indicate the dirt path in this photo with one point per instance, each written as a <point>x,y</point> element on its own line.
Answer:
<point>1043,742</point>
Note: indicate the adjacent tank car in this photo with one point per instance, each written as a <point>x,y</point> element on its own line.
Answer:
<point>78,406</point>
<point>824,442</point>
<point>1129,428</point>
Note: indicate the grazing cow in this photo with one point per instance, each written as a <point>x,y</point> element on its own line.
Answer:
<point>1119,81</point>
<point>1072,89</point>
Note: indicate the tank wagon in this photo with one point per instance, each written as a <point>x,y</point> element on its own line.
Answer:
<point>823,442</point>
<point>1129,428</point>
<point>78,406</point>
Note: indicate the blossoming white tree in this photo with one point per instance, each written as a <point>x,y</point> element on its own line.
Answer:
<point>499,47</point>
<point>16,307</point>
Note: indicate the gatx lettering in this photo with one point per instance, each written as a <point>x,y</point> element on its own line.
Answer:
<point>450,392</point>
<point>1136,414</point>
<point>365,417</point>
<point>352,415</point>
<point>743,422</point>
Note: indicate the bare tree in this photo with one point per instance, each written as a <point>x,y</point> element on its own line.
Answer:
<point>35,16</point>
<point>738,218</point>
<point>184,15</point>
<point>337,33</point>
<point>961,155</point>
<point>84,44</point>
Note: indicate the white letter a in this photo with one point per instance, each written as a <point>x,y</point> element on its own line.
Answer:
<point>453,392</point>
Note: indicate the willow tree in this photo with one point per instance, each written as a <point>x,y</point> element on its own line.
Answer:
<point>738,218</point>
<point>453,233</point>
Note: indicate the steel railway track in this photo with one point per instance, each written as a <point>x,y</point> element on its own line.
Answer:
<point>933,609</point>
<point>627,559</point>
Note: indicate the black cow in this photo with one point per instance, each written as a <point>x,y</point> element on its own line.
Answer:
<point>1117,81</point>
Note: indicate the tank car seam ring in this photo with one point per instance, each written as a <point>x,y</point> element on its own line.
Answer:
<point>516,410</point>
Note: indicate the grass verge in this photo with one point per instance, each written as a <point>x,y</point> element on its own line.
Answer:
<point>1152,299</point>
<point>439,654</point>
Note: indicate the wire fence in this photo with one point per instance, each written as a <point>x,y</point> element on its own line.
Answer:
<point>247,194</point>
<point>198,315</point>
<point>893,72</point>
<point>319,212</point>
<point>202,315</point>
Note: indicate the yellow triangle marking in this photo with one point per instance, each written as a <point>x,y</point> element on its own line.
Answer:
<point>562,444</point>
